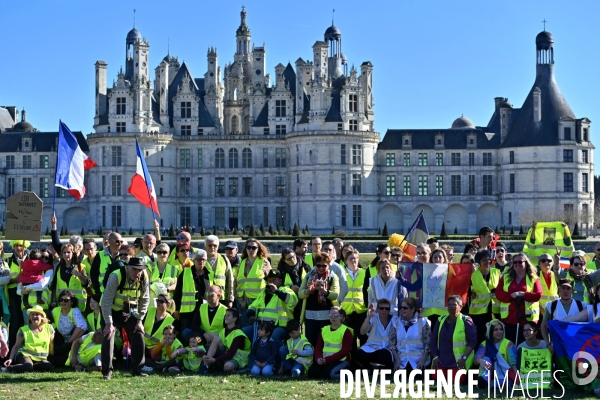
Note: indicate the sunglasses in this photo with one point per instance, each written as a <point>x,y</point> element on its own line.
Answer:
<point>395,254</point>
<point>181,237</point>
<point>124,255</point>
<point>402,308</point>
<point>384,308</point>
<point>517,262</point>
<point>421,253</point>
<point>183,250</point>
<point>45,257</point>
<point>251,247</point>
<point>200,259</point>
<point>321,265</point>
<point>159,301</point>
<point>118,241</point>
<point>500,250</point>
<point>63,300</point>
<point>545,260</point>
<point>334,315</point>
<point>577,264</point>
<point>527,330</point>
<point>162,252</point>
<point>386,252</point>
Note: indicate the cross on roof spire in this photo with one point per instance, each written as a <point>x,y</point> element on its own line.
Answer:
<point>544,21</point>
<point>134,17</point>
<point>332,16</point>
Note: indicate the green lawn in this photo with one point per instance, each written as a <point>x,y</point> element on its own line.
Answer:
<point>70,385</point>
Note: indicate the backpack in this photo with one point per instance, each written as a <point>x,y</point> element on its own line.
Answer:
<point>555,303</point>
<point>122,267</point>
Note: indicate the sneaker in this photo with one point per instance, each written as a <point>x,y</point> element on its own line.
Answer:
<point>203,370</point>
<point>147,369</point>
<point>174,370</point>
<point>107,376</point>
<point>141,374</point>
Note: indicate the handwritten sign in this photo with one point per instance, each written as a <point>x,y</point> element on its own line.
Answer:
<point>536,368</point>
<point>24,216</point>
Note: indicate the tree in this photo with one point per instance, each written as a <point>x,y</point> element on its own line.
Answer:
<point>262,229</point>
<point>379,230</point>
<point>82,231</point>
<point>296,230</point>
<point>512,229</point>
<point>172,230</point>
<point>521,232</point>
<point>117,229</point>
<point>62,231</point>
<point>271,231</point>
<point>47,231</point>
<point>202,233</point>
<point>307,231</point>
<point>100,233</point>
<point>130,231</point>
<point>333,230</point>
<point>456,230</point>
<point>576,229</point>
<point>443,232</point>
<point>496,229</point>
<point>503,228</point>
<point>251,233</point>
<point>385,230</point>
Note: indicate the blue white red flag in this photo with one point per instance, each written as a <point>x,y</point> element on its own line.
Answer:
<point>141,186</point>
<point>71,163</point>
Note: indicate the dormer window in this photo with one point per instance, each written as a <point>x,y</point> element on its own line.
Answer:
<point>567,133</point>
<point>585,135</point>
<point>406,140</point>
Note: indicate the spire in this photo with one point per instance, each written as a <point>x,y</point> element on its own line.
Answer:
<point>134,18</point>
<point>243,30</point>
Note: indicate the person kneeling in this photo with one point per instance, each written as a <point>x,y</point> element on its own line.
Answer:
<point>231,348</point>
<point>496,356</point>
<point>86,352</point>
<point>334,345</point>
<point>264,351</point>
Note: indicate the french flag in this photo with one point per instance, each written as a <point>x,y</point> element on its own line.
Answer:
<point>71,163</point>
<point>142,187</point>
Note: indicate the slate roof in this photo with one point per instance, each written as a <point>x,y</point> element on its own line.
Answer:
<point>262,120</point>
<point>10,142</point>
<point>334,113</point>
<point>6,120</point>
<point>524,132</point>
<point>305,110</point>
<point>204,118</point>
<point>424,139</point>
<point>289,76</point>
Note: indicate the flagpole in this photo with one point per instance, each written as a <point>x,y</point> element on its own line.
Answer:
<point>55,171</point>
<point>146,179</point>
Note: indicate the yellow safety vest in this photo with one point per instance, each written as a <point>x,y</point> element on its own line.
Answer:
<point>276,311</point>
<point>308,258</point>
<point>219,272</point>
<point>373,269</point>
<point>560,240</point>
<point>254,283</point>
<point>541,371</point>
<point>548,293</point>
<point>163,352</point>
<point>127,293</point>
<point>241,355</point>
<point>169,275</point>
<point>93,323</point>
<point>32,299</point>
<point>302,342</point>
<point>288,281</point>
<point>105,261</point>
<point>56,317</point>
<point>333,340</point>
<point>591,266</point>
<point>87,265</point>
<point>15,270</point>
<point>586,293</point>
<point>191,361</point>
<point>74,285</point>
<point>483,290</point>
<point>86,354</point>
<point>459,339</point>
<point>188,294</point>
<point>151,339</point>
<point>36,345</point>
<point>502,350</point>
<point>217,323</point>
<point>354,302</point>
<point>532,310</point>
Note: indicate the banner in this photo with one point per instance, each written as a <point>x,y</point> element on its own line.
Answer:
<point>538,364</point>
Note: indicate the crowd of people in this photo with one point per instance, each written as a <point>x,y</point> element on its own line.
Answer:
<point>155,309</point>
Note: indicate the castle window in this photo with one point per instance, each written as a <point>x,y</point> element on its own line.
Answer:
<point>567,132</point>
<point>585,135</point>
<point>280,158</point>
<point>353,102</point>
<point>353,124</point>
<point>186,109</point>
<point>584,156</point>
<point>455,159</point>
<point>246,158</point>
<point>220,158</point>
<point>280,108</point>
<point>511,157</point>
<point>121,105</point>
<point>568,181</point>
<point>280,129</point>
<point>186,130</point>
<point>26,162</point>
<point>390,159</point>
<point>567,155</point>
<point>233,158</point>
<point>121,127</point>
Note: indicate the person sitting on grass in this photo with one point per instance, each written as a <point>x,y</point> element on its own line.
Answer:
<point>86,352</point>
<point>334,345</point>
<point>264,350</point>
<point>33,344</point>
<point>190,358</point>
<point>230,349</point>
<point>496,356</point>
<point>163,350</point>
<point>296,355</point>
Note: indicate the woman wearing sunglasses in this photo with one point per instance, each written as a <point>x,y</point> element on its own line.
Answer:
<point>69,324</point>
<point>156,320</point>
<point>548,281</point>
<point>163,276</point>
<point>318,291</point>
<point>182,257</point>
<point>383,252</point>
<point>409,338</point>
<point>294,269</point>
<point>519,292</point>
<point>250,276</point>
<point>377,324</point>
<point>584,281</point>
<point>190,290</point>
<point>483,302</point>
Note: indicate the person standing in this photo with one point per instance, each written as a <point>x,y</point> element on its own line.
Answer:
<point>103,260</point>
<point>124,305</point>
<point>221,268</point>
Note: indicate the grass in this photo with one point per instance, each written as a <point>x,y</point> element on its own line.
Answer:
<point>71,385</point>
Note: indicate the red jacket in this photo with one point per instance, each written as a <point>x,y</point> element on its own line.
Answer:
<point>344,352</point>
<point>505,297</point>
<point>32,271</point>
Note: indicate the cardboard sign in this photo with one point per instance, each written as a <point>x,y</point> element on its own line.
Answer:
<point>536,368</point>
<point>24,216</point>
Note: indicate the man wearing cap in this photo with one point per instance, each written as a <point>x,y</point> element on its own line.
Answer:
<point>231,251</point>
<point>275,304</point>
<point>124,305</point>
<point>184,239</point>
<point>14,300</point>
<point>561,308</point>
<point>221,267</point>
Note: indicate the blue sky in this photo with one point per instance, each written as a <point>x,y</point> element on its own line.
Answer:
<point>433,60</point>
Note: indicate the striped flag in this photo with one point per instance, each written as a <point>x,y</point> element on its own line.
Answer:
<point>141,186</point>
<point>417,234</point>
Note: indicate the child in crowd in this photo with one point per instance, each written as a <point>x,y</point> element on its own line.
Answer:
<point>161,353</point>
<point>32,271</point>
<point>85,352</point>
<point>297,353</point>
<point>264,350</point>
<point>190,357</point>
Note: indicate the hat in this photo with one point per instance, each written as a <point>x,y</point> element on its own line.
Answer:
<point>24,243</point>
<point>565,282</point>
<point>137,263</point>
<point>231,244</point>
<point>275,274</point>
<point>36,309</point>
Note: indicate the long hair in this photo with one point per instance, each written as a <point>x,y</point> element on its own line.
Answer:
<point>284,254</point>
<point>442,252</point>
<point>530,271</point>
<point>74,260</point>
<point>380,247</point>
<point>263,252</point>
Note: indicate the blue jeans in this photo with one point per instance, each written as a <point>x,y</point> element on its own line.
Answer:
<point>266,371</point>
<point>296,368</point>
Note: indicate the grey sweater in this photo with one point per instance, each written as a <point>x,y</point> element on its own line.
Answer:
<point>109,296</point>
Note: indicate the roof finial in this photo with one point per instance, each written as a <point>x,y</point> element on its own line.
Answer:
<point>134,18</point>
<point>544,21</point>
<point>332,17</point>
<point>168,46</point>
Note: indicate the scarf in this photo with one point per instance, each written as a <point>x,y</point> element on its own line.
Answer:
<point>294,272</point>
<point>314,276</point>
<point>410,322</point>
<point>583,278</point>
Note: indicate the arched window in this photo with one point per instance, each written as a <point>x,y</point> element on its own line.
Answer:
<point>233,158</point>
<point>220,158</point>
<point>234,125</point>
<point>246,158</point>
